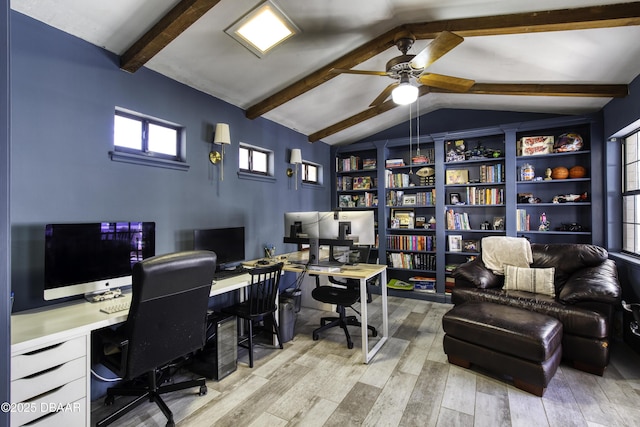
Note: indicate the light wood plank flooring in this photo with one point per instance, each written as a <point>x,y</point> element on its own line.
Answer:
<point>409,383</point>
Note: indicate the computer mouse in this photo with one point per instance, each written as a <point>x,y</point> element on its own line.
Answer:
<point>262,262</point>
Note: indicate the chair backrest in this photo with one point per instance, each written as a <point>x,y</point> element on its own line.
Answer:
<point>168,314</point>
<point>261,298</point>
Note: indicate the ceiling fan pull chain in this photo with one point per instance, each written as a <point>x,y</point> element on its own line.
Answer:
<point>410,146</point>
<point>418,126</point>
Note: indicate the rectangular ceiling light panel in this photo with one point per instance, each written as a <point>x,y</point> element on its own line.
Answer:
<point>262,29</point>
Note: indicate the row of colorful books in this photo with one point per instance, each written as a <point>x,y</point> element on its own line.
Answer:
<point>484,196</point>
<point>411,261</point>
<point>457,220</point>
<point>411,242</point>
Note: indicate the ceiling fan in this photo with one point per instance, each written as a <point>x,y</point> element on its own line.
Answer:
<point>405,68</point>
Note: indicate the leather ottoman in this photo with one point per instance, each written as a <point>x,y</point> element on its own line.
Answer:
<point>521,344</point>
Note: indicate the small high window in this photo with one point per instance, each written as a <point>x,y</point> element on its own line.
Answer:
<point>255,160</point>
<point>137,134</point>
<point>310,173</point>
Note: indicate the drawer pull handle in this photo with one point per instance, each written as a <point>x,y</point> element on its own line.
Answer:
<point>37,374</point>
<point>40,350</point>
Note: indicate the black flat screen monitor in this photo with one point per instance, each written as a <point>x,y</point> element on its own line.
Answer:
<point>85,258</point>
<point>227,243</point>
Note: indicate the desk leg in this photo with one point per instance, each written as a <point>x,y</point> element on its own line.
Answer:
<point>368,355</point>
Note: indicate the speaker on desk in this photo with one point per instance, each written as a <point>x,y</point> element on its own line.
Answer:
<point>220,355</point>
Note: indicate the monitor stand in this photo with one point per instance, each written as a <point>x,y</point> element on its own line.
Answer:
<point>314,255</point>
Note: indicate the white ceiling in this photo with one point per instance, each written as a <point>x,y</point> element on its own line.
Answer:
<point>206,58</point>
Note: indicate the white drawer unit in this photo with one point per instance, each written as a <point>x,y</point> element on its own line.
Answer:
<point>49,384</point>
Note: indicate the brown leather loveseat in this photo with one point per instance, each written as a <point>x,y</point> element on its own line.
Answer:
<point>587,293</point>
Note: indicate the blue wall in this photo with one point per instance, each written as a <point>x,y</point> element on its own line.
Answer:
<point>64,95</point>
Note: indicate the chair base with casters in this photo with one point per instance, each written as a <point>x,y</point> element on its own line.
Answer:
<point>342,298</point>
<point>150,391</point>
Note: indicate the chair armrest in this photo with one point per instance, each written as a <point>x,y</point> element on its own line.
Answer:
<point>474,273</point>
<point>598,284</point>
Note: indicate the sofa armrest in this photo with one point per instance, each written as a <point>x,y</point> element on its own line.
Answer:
<point>474,273</point>
<point>598,284</point>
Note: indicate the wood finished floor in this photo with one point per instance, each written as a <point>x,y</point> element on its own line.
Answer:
<point>408,383</point>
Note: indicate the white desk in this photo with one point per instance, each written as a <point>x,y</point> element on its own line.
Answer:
<point>361,272</point>
<point>51,357</point>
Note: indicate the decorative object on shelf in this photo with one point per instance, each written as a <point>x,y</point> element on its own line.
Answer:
<point>498,223</point>
<point>221,137</point>
<point>454,198</point>
<point>361,182</point>
<point>544,223</point>
<point>295,159</point>
<point>577,172</point>
<point>485,226</point>
<point>426,172</point>
<point>534,145</point>
<point>559,172</point>
<point>568,142</point>
<point>564,198</point>
<point>421,222</point>
<point>432,223</point>
<point>455,150</point>
<point>457,176</point>
<point>527,172</point>
<point>408,200</point>
<point>405,217</point>
<point>455,242</point>
<point>369,164</point>
<point>470,246</point>
<point>547,174</point>
<point>528,198</point>
<point>574,226</point>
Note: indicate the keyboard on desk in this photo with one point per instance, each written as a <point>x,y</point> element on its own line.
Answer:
<point>115,307</point>
<point>225,274</point>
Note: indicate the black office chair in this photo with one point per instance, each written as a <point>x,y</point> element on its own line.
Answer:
<point>259,304</point>
<point>346,295</point>
<point>167,321</point>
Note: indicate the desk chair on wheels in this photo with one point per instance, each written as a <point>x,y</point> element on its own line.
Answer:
<point>167,321</point>
<point>259,304</point>
<point>346,294</point>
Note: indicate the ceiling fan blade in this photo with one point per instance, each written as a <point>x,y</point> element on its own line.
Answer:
<point>383,95</point>
<point>365,72</point>
<point>456,84</point>
<point>443,43</point>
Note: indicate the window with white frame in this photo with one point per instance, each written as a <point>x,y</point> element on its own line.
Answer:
<point>631,194</point>
<point>143,135</point>
<point>310,173</point>
<point>255,160</point>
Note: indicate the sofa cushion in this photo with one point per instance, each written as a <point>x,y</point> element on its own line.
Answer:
<point>598,284</point>
<point>566,258</point>
<point>535,280</point>
<point>577,320</point>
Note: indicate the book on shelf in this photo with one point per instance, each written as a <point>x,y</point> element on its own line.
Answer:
<point>484,196</point>
<point>420,261</point>
<point>423,283</point>
<point>411,242</point>
<point>369,163</point>
<point>492,173</point>
<point>348,164</point>
<point>522,220</point>
<point>396,180</point>
<point>362,183</point>
<point>457,220</point>
<point>394,163</point>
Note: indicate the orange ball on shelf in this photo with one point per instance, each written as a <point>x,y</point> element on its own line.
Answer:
<point>577,172</point>
<point>559,172</point>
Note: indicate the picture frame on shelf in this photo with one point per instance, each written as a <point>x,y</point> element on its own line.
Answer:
<point>457,176</point>
<point>405,217</point>
<point>409,200</point>
<point>454,198</point>
<point>498,223</point>
<point>455,242</point>
<point>470,246</point>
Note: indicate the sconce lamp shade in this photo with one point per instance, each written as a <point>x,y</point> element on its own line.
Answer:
<point>296,156</point>
<point>405,93</point>
<point>222,134</point>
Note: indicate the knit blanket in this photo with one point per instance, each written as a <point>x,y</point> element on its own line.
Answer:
<point>498,251</point>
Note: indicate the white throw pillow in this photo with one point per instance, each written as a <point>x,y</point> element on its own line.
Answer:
<point>536,280</point>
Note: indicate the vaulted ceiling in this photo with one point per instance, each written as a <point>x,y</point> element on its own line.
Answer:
<point>553,56</point>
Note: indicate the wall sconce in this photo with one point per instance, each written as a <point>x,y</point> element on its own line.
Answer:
<point>296,159</point>
<point>221,137</point>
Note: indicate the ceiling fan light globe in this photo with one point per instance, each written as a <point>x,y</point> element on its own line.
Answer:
<point>404,94</point>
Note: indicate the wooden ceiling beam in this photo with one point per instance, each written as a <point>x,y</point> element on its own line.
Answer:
<point>167,29</point>
<point>577,90</point>
<point>625,14</point>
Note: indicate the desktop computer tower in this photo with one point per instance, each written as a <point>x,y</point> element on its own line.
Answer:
<point>219,358</point>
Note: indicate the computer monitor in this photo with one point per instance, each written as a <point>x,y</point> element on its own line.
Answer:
<point>358,226</point>
<point>85,258</point>
<point>227,243</point>
<point>301,226</point>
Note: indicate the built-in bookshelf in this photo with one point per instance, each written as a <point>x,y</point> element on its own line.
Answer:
<point>466,185</point>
